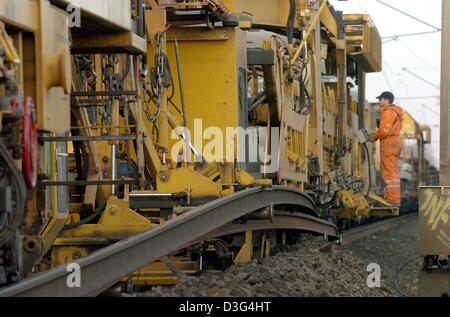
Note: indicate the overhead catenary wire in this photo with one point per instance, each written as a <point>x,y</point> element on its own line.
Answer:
<point>432,110</point>
<point>420,78</point>
<point>417,56</point>
<point>388,39</point>
<point>385,62</point>
<point>386,75</point>
<point>407,92</point>
<point>409,15</point>
<point>395,37</point>
<point>418,97</point>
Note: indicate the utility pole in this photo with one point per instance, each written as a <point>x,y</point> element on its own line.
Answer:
<point>445,98</point>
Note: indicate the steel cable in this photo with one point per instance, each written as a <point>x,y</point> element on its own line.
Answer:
<point>397,288</point>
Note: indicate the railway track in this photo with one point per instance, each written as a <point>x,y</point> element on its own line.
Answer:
<point>105,267</point>
<point>351,235</point>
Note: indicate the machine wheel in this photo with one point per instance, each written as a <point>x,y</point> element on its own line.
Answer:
<point>30,144</point>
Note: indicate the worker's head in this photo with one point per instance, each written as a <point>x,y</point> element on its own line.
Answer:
<point>386,98</point>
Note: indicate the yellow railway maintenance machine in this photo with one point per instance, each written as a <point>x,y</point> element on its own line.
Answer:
<point>141,112</point>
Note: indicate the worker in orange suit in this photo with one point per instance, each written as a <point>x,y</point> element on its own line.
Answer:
<point>390,145</point>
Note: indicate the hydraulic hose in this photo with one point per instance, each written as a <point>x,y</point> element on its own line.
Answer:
<point>21,192</point>
<point>370,170</point>
<point>291,22</point>
<point>330,202</point>
<point>397,288</point>
<point>97,212</point>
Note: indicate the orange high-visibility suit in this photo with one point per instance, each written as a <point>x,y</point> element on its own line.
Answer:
<point>391,147</point>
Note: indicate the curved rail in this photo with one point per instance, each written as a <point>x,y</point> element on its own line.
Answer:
<point>282,220</point>
<point>105,267</point>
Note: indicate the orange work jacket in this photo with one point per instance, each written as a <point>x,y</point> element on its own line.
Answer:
<point>390,123</point>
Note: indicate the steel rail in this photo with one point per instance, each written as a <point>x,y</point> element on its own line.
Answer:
<point>105,267</point>
<point>282,220</point>
<point>354,234</point>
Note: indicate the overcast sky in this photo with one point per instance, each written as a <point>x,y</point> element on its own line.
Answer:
<point>418,54</point>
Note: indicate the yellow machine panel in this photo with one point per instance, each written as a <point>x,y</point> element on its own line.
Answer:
<point>213,66</point>
<point>364,41</point>
<point>20,13</point>
<point>53,75</point>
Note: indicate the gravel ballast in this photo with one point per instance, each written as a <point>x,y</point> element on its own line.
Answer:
<point>313,267</point>
<point>391,249</point>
